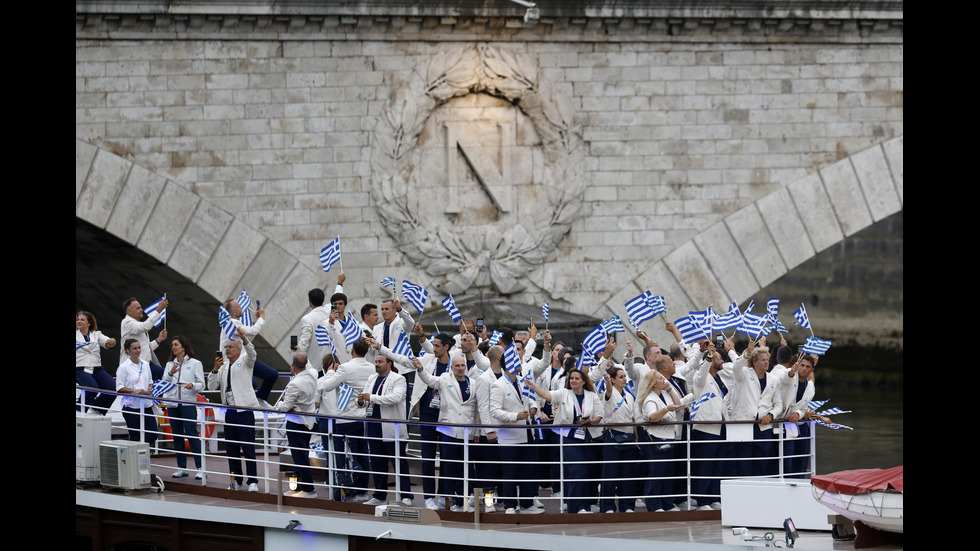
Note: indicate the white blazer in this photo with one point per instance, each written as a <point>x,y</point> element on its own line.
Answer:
<point>452,408</point>
<point>752,403</point>
<point>241,379</point>
<point>563,404</point>
<point>505,404</point>
<point>391,400</point>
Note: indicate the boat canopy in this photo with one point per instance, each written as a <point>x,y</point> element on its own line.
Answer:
<point>861,480</point>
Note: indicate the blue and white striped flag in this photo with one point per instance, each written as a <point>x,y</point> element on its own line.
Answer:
<point>159,389</point>
<point>226,323</point>
<point>544,311</point>
<point>163,313</point>
<point>79,345</point>
<point>245,302</point>
<point>600,387</point>
<point>388,282</point>
<point>801,318</point>
<point>772,311</point>
<point>834,426</point>
<point>832,411</point>
<point>526,390</point>
<point>752,324</point>
<point>815,404</point>
<point>585,359</point>
<point>613,325</point>
<point>691,331</point>
<point>323,338</point>
<point>732,319</point>
<point>704,398</point>
<point>330,254</point>
<point>402,346</point>
<point>344,395</point>
<point>495,338</point>
<point>631,389</point>
<point>657,303</point>
<point>595,341</point>
<point>352,330</point>
<point>816,346</point>
<point>512,363</point>
<point>415,294</point>
<point>640,309</point>
<point>706,318</point>
<point>450,305</point>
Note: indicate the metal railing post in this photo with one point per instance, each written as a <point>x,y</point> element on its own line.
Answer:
<point>466,471</point>
<point>265,448</point>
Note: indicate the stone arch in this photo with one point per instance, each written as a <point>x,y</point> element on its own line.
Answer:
<point>199,239</point>
<point>740,254</point>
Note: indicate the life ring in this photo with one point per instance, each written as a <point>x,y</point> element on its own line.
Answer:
<point>209,421</point>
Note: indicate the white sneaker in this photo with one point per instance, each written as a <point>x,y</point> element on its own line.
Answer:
<point>585,512</point>
<point>359,498</point>
<point>374,501</point>
<point>489,509</point>
<point>564,507</point>
<point>537,503</point>
<point>556,495</point>
<point>673,509</point>
<point>630,511</point>
<point>441,501</point>
<point>640,504</point>
<point>253,487</point>
<point>301,493</point>
<point>431,504</point>
<point>407,501</point>
<point>705,508</point>
<point>180,474</point>
<point>510,511</point>
<point>457,509</point>
<point>687,505</point>
<point>234,486</point>
<point>716,506</point>
<point>594,508</point>
<point>200,475</point>
<point>472,502</point>
<point>291,493</point>
<point>610,511</point>
<point>531,510</point>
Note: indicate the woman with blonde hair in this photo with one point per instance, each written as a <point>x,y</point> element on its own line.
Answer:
<point>656,410</point>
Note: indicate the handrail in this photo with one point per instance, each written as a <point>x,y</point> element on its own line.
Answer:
<point>686,459</point>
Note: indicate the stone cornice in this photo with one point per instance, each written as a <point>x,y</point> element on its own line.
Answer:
<point>618,21</point>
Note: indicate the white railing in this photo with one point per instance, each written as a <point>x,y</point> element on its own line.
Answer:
<point>677,483</point>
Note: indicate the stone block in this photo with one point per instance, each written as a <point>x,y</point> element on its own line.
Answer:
<point>895,154</point>
<point>757,245</point>
<point>84,155</point>
<point>816,211</point>
<point>786,226</point>
<point>876,181</point>
<point>691,270</point>
<point>103,183</point>
<point>723,254</point>
<point>196,249</point>
<point>135,204</point>
<point>171,213</point>
<point>844,192</point>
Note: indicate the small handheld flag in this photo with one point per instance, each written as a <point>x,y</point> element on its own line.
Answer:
<point>415,294</point>
<point>801,318</point>
<point>816,346</point>
<point>245,302</point>
<point>226,323</point>
<point>330,254</point>
<point>450,305</point>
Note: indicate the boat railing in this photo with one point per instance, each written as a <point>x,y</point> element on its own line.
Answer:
<point>741,457</point>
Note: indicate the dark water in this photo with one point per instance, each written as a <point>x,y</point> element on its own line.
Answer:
<point>877,440</point>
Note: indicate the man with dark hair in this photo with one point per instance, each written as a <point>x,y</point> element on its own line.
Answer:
<point>318,315</point>
<point>394,320</point>
<point>384,397</point>
<point>297,399</point>
<point>369,317</point>
<point>429,401</point>
<point>132,328</point>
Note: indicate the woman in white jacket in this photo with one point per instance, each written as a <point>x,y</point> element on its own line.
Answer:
<point>187,374</point>
<point>576,404</point>
<point>656,410</point>
<point>88,361</point>
<point>619,454</point>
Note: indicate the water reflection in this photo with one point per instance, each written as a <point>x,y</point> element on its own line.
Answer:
<point>877,440</point>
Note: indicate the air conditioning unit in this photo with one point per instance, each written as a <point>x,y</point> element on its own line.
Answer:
<point>89,431</point>
<point>125,464</point>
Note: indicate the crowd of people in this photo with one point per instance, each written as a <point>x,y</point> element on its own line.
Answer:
<point>632,405</point>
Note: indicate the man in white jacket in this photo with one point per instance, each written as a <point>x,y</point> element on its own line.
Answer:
<point>298,398</point>
<point>232,375</point>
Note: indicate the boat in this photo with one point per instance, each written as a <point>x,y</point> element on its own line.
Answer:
<point>873,497</point>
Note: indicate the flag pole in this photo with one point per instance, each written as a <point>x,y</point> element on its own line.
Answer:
<point>340,255</point>
<point>165,319</point>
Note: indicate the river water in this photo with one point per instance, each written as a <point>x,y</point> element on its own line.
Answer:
<point>877,440</point>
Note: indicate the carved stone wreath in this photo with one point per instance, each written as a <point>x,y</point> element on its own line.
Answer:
<point>460,260</point>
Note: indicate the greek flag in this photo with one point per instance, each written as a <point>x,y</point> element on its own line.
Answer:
<point>834,426</point>
<point>732,319</point>
<point>691,331</point>
<point>163,313</point>
<point>815,404</point>
<point>526,390</point>
<point>613,325</point>
<point>544,312</point>
<point>706,318</point>
<point>816,346</point>
<point>495,338</point>
<point>245,302</point>
<point>642,308</point>
<point>330,254</point>
<point>704,398</point>
<point>801,318</point>
<point>323,338</point>
<point>450,305</point>
<point>352,330</point>
<point>160,389</point>
<point>772,310</point>
<point>595,341</point>
<point>831,411</point>
<point>511,362</point>
<point>631,389</point>
<point>344,394</point>
<point>388,282</point>
<point>226,323</point>
<point>402,345</point>
<point>600,387</point>
<point>79,345</point>
<point>585,359</point>
<point>752,324</point>
<point>415,294</point>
